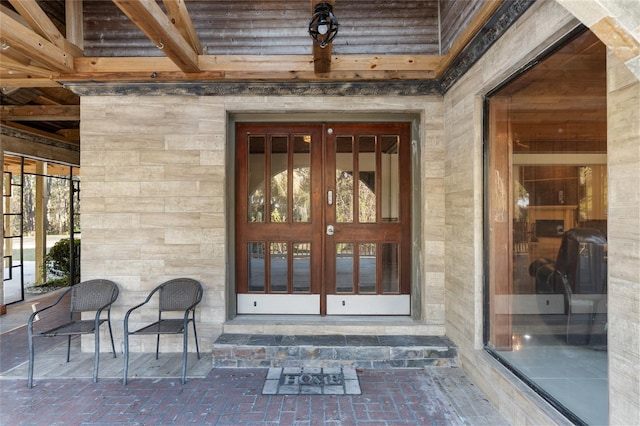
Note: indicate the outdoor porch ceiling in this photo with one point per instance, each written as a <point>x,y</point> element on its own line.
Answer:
<point>35,53</point>
<point>55,43</point>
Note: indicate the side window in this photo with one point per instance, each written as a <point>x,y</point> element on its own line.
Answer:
<point>546,223</point>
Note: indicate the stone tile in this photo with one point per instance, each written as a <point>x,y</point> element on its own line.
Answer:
<point>233,339</point>
<point>265,340</point>
<point>359,340</point>
<point>274,373</point>
<point>334,390</point>
<point>311,353</point>
<point>352,387</point>
<point>320,340</point>
<point>397,340</point>
<point>270,387</point>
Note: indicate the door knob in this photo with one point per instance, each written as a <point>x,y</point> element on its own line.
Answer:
<point>329,229</point>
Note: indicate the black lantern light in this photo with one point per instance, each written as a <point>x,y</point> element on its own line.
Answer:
<point>323,26</point>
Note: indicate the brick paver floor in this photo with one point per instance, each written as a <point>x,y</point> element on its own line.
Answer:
<point>429,396</point>
<point>233,397</point>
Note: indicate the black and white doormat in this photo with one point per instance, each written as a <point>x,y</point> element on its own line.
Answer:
<point>312,381</point>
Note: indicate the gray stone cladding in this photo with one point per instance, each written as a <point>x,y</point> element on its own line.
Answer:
<point>356,351</point>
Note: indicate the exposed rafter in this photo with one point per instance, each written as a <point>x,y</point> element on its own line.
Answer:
<point>15,66</point>
<point>40,113</point>
<point>22,41</point>
<point>39,22</point>
<point>180,17</point>
<point>151,19</point>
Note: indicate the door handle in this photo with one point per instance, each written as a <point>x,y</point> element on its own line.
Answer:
<point>330,197</point>
<point>329,229</point>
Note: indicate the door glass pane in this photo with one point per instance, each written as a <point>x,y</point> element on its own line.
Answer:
<point>344,268</point>
<point>390,191</point>
<point>301,267</point>
<point>367,179</point>
<point>279,267</point>
<point>344,179</point>
<point>367,277</point>
<point>390,268</point>
<point>302,178</point>
<point>255,179</point>
<point>279,178</point>
<point>256,266</point>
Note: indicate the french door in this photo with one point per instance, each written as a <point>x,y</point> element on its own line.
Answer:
<point>323,218</point>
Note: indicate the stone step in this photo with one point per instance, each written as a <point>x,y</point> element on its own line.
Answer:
<point>357,351</point>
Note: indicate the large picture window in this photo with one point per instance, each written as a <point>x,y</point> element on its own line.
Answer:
<point>546,227</point>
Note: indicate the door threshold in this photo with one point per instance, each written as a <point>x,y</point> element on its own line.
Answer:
<point>334,324</point>
<point>318,319</point>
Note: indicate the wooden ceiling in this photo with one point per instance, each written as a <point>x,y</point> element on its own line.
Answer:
<point>45,45</point>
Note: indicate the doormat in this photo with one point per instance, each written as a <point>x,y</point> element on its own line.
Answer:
<point>312,381</point>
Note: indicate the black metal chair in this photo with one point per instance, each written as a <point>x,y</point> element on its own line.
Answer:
<point>88,296</point>
<point>177,295</point>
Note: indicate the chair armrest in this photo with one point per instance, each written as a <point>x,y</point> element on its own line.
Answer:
<point>193,307</point>
<point>34,314</point>
<point>126,316</point>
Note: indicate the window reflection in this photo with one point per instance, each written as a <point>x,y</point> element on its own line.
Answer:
<point>547,221</point>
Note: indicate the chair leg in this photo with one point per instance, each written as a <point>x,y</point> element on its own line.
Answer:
<point>68,347</point>
<point>157,345</point>
<point>126,357</point>
<point>31,357</point>
<point>185,338</point>
<point>195,336</point>
<point>113,346</point>
<point>96,356</point>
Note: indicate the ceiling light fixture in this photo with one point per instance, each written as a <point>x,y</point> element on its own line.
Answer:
<point>323,26</point>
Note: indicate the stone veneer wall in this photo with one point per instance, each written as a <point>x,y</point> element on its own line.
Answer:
<point>543,24</point>
<point>154,182</point>
<point>623,148</point>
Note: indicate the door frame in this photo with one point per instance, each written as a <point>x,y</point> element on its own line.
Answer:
<point>414,119</point>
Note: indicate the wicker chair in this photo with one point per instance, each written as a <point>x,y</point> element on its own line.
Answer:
<point>88,296</point>
<point>177,295</point>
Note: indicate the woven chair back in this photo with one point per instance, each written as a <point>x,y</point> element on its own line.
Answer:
<point>179,294</point>
<point>92,295</point>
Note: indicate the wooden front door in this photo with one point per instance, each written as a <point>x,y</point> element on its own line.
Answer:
<point>323,218</point>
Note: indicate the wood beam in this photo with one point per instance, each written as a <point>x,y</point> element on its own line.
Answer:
<point>321,55</point>
<point>180,17</point>
<point>10,83</point>
<point>38,20</point>
<point>71,134</point>
<point>483,14</point>
<point>28,43</point>
<point>150,18</point>
<point>257,67</point>
<point>73,17</point>
<point>40,113</point>
<point>15,66</point>
<point>37,132</point>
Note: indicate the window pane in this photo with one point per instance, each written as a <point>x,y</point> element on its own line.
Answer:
<point>279,178</point>
<point>302,179</point>
<point>367,268</point>
<point>390,281</point>
<point>344,268</point>
<point>256,179</point>
<point>256,266</point>
<point>547,201</point>
<point>390,191</point>
<point>301,267</point>
<point>279,267</point>
<point>344,179</point>
<point>367,181</point>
